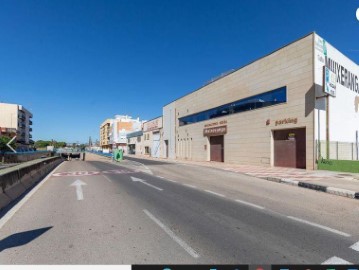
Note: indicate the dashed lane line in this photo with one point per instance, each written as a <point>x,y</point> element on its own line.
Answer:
<point>108,179</point>
<point>250,204</point>
<point>215,193</point>
<point>174,237</point>
<point>191,186</point>
<point>319,226</point>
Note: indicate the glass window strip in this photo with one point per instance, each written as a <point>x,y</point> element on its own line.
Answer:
<point>263,100</point>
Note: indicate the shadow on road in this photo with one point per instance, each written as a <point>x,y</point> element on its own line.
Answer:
<point>22,238</point>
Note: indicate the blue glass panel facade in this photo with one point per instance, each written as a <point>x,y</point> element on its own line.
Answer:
<point>266,99</point>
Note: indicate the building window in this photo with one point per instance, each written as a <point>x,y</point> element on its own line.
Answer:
<point>147,150</point>
<point>266,99</point>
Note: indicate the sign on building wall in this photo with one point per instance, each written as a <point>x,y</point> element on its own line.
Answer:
<point>127,126</point>
<point>215,131</point>
<point>330,82</point>
<point>152,125</point>
<point>341,81</point>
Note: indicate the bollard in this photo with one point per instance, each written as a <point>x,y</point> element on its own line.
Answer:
<point>83,156</point>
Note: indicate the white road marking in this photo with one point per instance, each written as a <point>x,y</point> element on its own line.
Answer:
<point>134,179</point>
<point>16,207</point>
<point>167,179</point>
<point>178,240</point>
<point>355,246</point>
<point>173,181</point>
<point>188,185</point>
<point>108,179</point>
<point>336,260</point>
<point>214,193</point>
<point>78,184</point>
<point>250,204</point>
<point>319,226</point>
<point>149,170</point>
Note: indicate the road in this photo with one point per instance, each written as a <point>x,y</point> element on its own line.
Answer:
<point>149,212</point>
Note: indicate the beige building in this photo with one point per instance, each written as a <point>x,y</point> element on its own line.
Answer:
<point>261,114</point>
<point>16,120</point>
<point>152,137</point>
<point>105,134</point>
<point>134,143</point>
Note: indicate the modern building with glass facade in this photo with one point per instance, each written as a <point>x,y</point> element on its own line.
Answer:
<point>271,112</point>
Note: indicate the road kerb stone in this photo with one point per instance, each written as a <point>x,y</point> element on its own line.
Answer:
<point>289,181</point>
<point>341,192</point>
<point>331,190</point>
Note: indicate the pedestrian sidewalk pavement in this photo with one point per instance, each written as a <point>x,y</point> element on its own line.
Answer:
<point>337,183</point>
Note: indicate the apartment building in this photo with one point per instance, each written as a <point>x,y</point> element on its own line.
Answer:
<point>105,134</point>
<point>16,120</point>
<point>113,132</point>
<point>275,111</point>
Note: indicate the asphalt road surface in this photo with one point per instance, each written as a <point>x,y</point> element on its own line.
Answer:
<point>147,212</point>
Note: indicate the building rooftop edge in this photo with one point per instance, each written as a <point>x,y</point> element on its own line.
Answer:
<point>243,66</point>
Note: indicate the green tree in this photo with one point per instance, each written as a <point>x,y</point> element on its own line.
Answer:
<point>60,144</point>
<point>3,144</point>
<point>42,144</point>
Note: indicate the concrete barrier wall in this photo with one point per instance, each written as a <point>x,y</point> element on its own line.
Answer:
<point>17,180</point>
<point>23,157</point>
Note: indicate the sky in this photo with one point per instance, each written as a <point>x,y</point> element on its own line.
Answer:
<point>74,63</point>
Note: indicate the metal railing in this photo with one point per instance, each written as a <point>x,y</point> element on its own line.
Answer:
<point>337,150</point>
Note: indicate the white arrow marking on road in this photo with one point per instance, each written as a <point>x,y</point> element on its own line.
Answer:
<point>134,179</point>
<point>78,184</point>
<point>355,246</point>
<point>336,260</point>
<point>8,144</point>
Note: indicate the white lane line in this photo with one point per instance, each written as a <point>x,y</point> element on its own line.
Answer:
<point>108,179</point>
<point>250,204</point>
<point>135,179</point>
<point>160,189</point>
<point>173,181</point>
<point>319,226</point>
<point>188,185</point>
<point>355,246</point>
<point>336,260</point>
<point>16,207</point>
<point>174,237</point>
<point>167,179</point>
<point>214,193</point>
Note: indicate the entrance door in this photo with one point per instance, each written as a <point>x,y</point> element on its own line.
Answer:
<point>166,145</point>
<point>156,145</point>
<point>217,148</point>
<point>290,148</point>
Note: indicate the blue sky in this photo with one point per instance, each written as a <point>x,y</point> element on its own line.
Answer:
<point>75,63</point>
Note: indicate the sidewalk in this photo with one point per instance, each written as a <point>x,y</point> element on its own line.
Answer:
<point>337,183</point>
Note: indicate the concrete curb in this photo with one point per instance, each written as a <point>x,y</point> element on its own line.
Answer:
<point>331,190</point>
